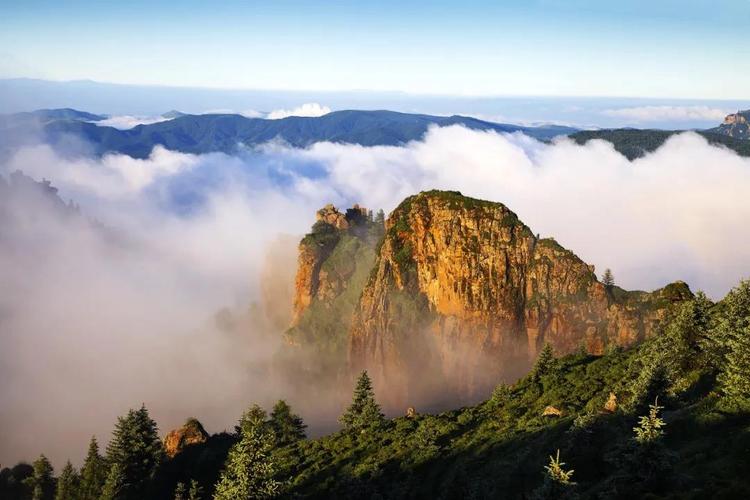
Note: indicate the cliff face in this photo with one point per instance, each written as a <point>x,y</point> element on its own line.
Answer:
<point>463,295</point>
<point>334,261</point>
<point>736,125</point>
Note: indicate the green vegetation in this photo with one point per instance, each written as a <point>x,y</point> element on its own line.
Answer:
<point>42,481</point>
<point>93,473</point>
<point>249,470</point>
<point>677,428</point>
<point>364,413</point>
<point>635,143</point>
<point>67,483</point>
<point>134,454</point>
<point>287,427</point>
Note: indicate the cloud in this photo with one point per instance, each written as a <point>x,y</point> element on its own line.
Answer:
<point>675,214</point>
<point>248,113</point>
<point>126,122</point>
<point>99,313</point>
<point>112,176</point>
<point>668,113</point>
<point>307,109</point>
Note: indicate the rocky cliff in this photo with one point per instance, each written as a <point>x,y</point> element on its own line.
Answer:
<point>191,433</point>
<point>334,261</point>
<point>462,294</point>
<point>736,125</point>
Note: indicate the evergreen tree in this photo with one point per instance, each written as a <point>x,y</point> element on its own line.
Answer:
<point>649,428</point>
<point>135,447</point>
<point>196,492</point>
<point>364,410</point>
<point>255,416</point>
<point>42,480</point>
<point>287,427</point>
<point>731,340</point>
<point>735,378</point>
<point>608,279</point>
<point>545,361</point>
<point>93,473</point>
<point>732,319</point>
<point>114,487</point>
<point>180,491</point>
<point>67,483</point>
<point>249,470</point>
<point>557,481</point>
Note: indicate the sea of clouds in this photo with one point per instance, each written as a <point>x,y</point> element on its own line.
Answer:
<point>177,296</point>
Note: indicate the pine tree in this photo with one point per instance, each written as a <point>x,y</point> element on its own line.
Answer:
<point>180,492</point>
<point>42,481</point>
<point>196,492</point>
<point>135,447</point>
<point>544,362</point>
<point>735,378</point>
<point>255,416</point>
<point>67,483</point>
<point>733,319</point>
<point>557,481</point>
<point>380,218</point>
<point>249,469</point>
<point>287,427</point>
<point>732,343</point>
<point>608,279</point>
<point>364,410</point>
<point>93,473</point>
<point>649,428</point>
<point>114,487</point>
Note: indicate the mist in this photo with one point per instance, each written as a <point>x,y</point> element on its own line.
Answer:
<point>173,285</point>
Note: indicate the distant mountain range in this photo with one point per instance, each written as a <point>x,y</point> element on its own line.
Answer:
<point>225,132</point>
<point>207,133</point>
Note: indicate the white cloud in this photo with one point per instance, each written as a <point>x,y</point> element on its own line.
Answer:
<point>307,109</point>
<point>99,312</point>
<point>679,213</point>
<point>112,176</point>
<point>126,122</point>
<point>668,113</point>
<point>248,113</point>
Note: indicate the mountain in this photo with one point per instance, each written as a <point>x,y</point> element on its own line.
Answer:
<point>225,133</point>
<point>43,116</point>
<point>173,114</point>
<point>457,295</point>
<point>635,143</point>
<point>736,125</point>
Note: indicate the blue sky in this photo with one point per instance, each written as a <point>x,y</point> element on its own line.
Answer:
<point>658,48</point>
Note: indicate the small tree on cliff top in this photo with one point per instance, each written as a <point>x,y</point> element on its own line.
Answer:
<point>364,410</point>
<point>608,279</point>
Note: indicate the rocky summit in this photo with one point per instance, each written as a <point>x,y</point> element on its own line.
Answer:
<point>191,433</point>
<point>736,125</point>
<point>458,294</point>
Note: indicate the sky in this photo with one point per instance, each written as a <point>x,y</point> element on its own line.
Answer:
<point>669,49</point>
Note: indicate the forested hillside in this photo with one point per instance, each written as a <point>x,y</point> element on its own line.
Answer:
<point>666,419</point>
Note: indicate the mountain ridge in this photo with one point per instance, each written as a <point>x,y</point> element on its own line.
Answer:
<point>226,132</point>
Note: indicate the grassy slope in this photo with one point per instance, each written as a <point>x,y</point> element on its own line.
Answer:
<point>498,449</point>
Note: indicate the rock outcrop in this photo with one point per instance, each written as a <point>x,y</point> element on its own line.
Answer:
<point>736,125</point>
<point>314,280</point>
<point>463,295</point>
<point>191,433</point>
